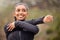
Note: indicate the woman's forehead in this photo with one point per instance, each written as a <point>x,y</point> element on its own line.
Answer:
<point>20,7</point>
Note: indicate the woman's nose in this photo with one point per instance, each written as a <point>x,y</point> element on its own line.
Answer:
<point>20,12</point>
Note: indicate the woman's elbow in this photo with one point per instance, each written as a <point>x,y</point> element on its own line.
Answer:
<point>36,30</point>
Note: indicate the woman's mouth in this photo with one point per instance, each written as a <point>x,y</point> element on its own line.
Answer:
<point>21,16</point>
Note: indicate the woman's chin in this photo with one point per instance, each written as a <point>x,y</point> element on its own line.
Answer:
<point>21,19</point>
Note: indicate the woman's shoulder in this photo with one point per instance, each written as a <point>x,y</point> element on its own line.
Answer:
<point>6,25</point>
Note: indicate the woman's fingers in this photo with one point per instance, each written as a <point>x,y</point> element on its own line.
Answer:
<point>48,18</point>
<point>8,26</point>
<point>11,26</point>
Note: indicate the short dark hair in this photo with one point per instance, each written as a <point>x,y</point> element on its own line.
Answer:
<point>22,4</point>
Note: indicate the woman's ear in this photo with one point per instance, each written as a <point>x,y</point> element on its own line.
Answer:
<point>27,14</point>
<point>14,15</point>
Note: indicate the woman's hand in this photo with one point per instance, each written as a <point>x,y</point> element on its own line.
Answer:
<point>11,26</point>
<point>48,18</point>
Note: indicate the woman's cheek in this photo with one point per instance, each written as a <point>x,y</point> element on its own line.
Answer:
<point>25,14</point>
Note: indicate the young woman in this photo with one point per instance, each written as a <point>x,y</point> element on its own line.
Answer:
<point>22,29</point>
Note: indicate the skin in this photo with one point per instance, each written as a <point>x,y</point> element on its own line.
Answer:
<point>21,13</point>
<point>48,18</point>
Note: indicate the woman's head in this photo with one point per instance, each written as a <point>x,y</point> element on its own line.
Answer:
<point>21,11</point>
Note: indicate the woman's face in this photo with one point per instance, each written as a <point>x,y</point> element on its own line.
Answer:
<point>20,12</point>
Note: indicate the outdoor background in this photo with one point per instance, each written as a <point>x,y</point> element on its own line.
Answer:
<point>38,8</point>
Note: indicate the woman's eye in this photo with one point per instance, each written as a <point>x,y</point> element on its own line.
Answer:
<point>18,10</point>
<point>24,10</point>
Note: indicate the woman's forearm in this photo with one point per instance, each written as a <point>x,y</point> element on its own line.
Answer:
<point>27,26</point>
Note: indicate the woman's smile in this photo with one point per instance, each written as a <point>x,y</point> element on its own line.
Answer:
<point>21,12</point>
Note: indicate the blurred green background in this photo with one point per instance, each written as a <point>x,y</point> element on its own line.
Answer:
<point>38,8</point>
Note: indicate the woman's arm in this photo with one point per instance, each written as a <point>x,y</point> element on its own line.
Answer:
<point>27,26</point>
<point>23,25</point>
<point>45,19</point>
<point>36,21</point>
<point>6,30</point>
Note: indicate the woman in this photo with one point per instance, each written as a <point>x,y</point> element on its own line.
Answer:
<point>21,29</point>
